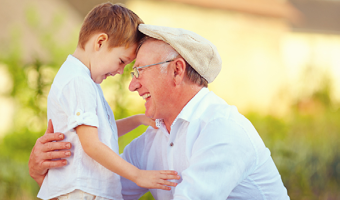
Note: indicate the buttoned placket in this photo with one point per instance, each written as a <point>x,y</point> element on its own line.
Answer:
<point>169,142</point>
<point>172,144</point>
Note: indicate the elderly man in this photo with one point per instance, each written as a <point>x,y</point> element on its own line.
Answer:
<point>216,151</point>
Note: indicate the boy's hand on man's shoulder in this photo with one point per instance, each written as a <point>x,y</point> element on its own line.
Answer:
<point>147,121</point>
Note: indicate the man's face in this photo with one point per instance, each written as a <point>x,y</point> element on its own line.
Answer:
<point>153,85</point>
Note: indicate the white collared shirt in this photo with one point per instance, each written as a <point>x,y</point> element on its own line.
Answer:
<point>216,151</point>
<point>75,99</point>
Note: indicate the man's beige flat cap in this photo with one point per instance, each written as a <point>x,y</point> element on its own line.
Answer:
<point>199,52</point>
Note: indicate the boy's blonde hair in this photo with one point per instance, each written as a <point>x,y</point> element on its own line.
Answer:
<point>117,21</point>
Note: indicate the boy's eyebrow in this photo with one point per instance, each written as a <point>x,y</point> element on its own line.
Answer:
<point>128,58</point>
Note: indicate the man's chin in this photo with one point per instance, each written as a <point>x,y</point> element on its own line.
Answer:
<point>149,114</point>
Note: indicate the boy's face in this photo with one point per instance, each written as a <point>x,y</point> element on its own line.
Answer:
<point>111,61</point>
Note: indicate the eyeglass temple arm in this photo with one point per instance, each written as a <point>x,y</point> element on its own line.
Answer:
<point>154,64</point>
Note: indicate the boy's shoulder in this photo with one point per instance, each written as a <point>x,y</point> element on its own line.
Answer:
<point>72,76</point>
<point>72,70</point>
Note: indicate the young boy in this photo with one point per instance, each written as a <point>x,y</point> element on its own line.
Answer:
<point>76,105</point>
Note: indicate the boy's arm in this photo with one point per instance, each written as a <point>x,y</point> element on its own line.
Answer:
<point>93,147</point>
<point>128,124</point>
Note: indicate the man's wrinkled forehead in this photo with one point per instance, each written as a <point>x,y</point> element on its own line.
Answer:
<point>148,51</point>
<point>148,41</point>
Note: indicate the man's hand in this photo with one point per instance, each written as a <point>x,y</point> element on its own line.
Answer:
<point>44,151</point>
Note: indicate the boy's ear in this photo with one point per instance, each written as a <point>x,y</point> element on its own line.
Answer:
<point>179,70</point>
<point>101,39</point>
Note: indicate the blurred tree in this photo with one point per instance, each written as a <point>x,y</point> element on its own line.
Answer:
<point>304,145</point>
<point>31,83</point>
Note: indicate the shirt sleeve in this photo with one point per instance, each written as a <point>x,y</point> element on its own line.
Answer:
<point>222,156</point>
<point>132,154</point>
<point>78,100</point>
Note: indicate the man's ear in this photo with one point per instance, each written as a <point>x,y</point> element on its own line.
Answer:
<point>100,40</point>
<point>179,71</point>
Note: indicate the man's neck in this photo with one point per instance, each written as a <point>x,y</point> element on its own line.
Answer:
<point>183,99</point>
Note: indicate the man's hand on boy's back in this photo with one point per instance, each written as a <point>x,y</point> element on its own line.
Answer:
<point>44,151</point>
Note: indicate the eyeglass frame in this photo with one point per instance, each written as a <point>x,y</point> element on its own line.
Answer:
<point>135,72</point>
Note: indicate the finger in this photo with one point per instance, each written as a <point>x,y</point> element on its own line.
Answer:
<point>153,124</point>
<point>50,128</point>
<point>168,183</point>
<point>56,155</point>
<point>51,137</point>
<point>54,164</point>
<point>170,177</point>
<point>169,172</point>
<point>163,187</point>
<point>51,146</point>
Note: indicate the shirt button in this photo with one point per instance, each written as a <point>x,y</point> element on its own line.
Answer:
<point>171,144</point>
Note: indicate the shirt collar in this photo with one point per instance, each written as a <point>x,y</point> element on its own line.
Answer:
<point>187,111</point>
<point>78,64</point>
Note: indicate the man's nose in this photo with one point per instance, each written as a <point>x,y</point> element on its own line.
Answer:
<point>134,84</point>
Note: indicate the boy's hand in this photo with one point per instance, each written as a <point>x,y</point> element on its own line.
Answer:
<point>154,179</point>
<point>147,121</point>
<point>43,152</point>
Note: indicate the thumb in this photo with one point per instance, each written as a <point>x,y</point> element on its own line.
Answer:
<point>50,128</point>
<point>153,124</point>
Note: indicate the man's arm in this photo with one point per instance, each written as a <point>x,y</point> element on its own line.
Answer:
<point>43,152</point>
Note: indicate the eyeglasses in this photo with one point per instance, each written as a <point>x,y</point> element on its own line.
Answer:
<point>135,72</point>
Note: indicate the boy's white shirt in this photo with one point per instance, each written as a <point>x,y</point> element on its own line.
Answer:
<point>75,99</point>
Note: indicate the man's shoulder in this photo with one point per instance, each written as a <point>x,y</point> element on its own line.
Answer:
<point>213,109</point>
<point>213,106</point>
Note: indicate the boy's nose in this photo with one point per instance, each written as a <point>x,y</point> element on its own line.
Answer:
<point>120,71</point>
<point>134,84</point>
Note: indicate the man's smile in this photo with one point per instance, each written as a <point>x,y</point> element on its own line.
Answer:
<point>146,95</point>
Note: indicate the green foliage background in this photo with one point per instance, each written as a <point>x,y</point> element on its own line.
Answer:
<point>304,144</point>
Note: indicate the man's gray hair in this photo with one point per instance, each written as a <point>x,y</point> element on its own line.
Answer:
<point>171,54</point>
